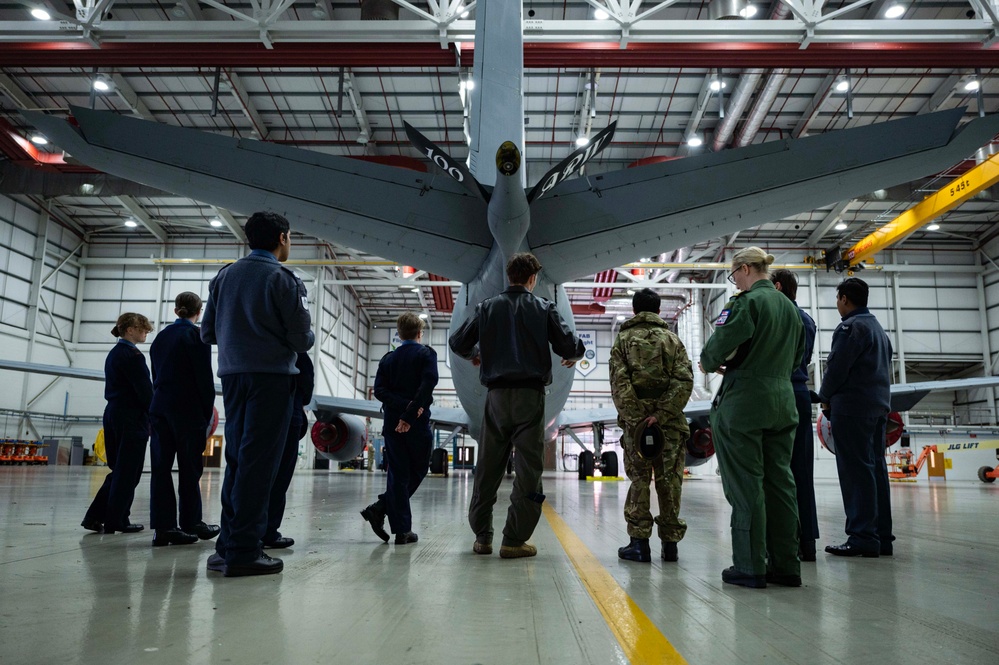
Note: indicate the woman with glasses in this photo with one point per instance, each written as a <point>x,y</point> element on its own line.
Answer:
<point>758,340</point>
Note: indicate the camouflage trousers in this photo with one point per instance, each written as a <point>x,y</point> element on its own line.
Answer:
<point>667,470</point>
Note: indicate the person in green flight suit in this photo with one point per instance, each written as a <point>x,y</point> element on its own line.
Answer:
<point>758,339</point>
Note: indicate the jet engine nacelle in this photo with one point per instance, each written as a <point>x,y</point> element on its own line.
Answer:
<point>893,431</point>
<point>338,437</point>
<point>700,446</point>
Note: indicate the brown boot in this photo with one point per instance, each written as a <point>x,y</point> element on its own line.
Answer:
<point>518,551</point>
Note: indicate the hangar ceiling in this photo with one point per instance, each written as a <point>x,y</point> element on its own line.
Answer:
<point>319,75</point>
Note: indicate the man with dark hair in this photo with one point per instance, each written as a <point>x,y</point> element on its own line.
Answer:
<point>803,453</point>
<point>508,337</point>
<point>404,384</point>
<point>651,380</point>
<point>856,397</point>
<point>258,315</point>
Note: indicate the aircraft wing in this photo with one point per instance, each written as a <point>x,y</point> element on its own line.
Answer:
<point>580,417</point>
<point>442,416</point>
<point>68,372</point>
<point>594,223</point>
<point>425,220</point>
<point>905,396</point>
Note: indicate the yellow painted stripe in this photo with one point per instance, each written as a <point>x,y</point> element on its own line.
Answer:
<point>640,639</point>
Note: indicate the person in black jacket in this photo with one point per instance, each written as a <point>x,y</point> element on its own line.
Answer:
<point>508,337</point>
<point>856,394</point>
<point>404,385</point>
<point>258,314</point>
<point>803,454</point>
<point>305,382</point>
<point>128,391</point>
<point>181,412</point>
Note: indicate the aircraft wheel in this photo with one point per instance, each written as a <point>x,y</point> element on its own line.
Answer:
<point>438,461</point>
<point>608,463</point>
<point>585,464</point>
<point>982,474</point>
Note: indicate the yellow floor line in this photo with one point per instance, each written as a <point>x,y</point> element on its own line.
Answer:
<point>640,639</point>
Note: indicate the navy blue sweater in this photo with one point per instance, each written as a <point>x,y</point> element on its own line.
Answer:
<point>258,314</point>
<point>126,378</point>
<point>857,381</point>
<point>182,373</point>
<point>799,377</point>
<point>405,383</point>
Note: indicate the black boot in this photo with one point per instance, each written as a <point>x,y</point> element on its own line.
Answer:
<point>375,516</point>
<point>806,550</point>
<point>636,550</point>
<point>669,551</point>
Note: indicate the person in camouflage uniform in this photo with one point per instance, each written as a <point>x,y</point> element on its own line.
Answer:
<point>651,380</point>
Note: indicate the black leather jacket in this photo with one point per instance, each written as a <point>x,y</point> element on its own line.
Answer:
<point>511,333</point>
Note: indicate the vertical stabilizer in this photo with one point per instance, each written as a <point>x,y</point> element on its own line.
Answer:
<point>498,95</point>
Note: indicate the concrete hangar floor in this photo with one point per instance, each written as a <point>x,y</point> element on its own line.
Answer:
<point>68,596</point>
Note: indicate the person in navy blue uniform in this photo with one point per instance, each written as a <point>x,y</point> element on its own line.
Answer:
<point>258,315</point>
<point>305,382</point>
<point>404,384</point>
<point>803,453</point>
<point>181,412</point>
<point>128,391</point>
<point>856,394</point>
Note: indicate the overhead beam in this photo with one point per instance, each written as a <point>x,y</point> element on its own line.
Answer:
<point>235,85</point>
<point>18,96</point>
<point>830,220</point>
<point>940,96</point>
<point>230,223</point>
<point>142,217</point>
<point>128,95</point>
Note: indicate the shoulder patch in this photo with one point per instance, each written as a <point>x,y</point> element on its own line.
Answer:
<point>723,317</point>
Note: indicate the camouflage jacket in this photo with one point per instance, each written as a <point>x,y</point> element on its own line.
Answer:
<point>650,373</point>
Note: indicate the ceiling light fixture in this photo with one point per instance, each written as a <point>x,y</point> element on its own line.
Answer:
<point>102,83</point>
<point>423,316</point>
<point>319,12</point>
<point>895,11</point>
<point>621,317</point>
<point>41,14</point>
<point>463,12</point>
<point>600,15</point>
<point>749,11</point>
<point>842,85</point>
<point>933,227</point>
<point>582,140</point>
<point>130,223</point>
<point>972,85</point>
<point>716,85</point>
<point>695,141</point>
<point>841,226</point>
<point>178,11</point>
<point>87,188</point>
<point>38,139</point>
<point>215,223</point>
<point>415,289</point>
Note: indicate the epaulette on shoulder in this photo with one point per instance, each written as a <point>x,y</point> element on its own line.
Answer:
<point>289,271</point>
<point>388,354</point>
<point>430,348</point>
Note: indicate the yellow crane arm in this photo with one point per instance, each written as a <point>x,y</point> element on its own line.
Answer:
<point>952,194</point>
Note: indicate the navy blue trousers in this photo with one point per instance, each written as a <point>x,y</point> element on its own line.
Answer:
<point>408,459</point>
<point>176,436</point>
<point>286,469</point>
<point>863,479</point>
<point>257,411</point>
<point>126,432</point>
<point>803,466</point>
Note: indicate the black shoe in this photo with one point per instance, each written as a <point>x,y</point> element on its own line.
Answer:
<point>132,528</point>
<point>636,550</point>
<point>375,516</point>
<point>887,550</point>
<point>216,563</point>
<point>92,526</point>
<point>173,537</point>
<point>669,551</point>
<point>806,550</point>
<point>733,576</point>
<point>203,531</point>
<point>784,580</point>
<point>264,565</point>
<point>846,549</point>
<point>278,543</point>
<point>406,538</point>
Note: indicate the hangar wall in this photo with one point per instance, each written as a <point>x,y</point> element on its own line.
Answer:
<point>118,275</point>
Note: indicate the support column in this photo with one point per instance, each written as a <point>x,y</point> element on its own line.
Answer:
<point>983,316</point>
<point>34,304</point>
<point>813,306</point>
<point>80,286</point>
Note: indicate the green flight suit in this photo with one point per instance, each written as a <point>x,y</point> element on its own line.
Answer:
<point>651,375</point>
<point>759,339</point>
